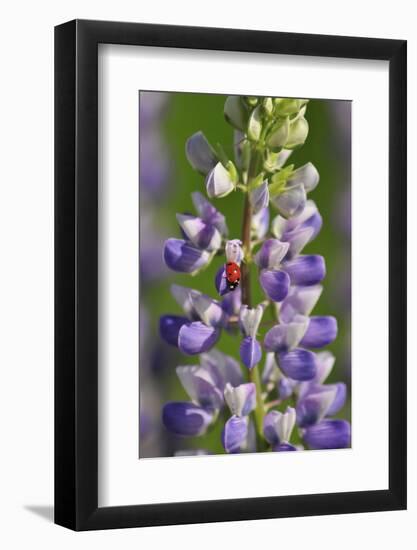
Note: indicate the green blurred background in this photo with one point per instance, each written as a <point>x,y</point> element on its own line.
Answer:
<point>328,148</point>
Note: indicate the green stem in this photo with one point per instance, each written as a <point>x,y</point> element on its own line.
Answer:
<point>254,376</point>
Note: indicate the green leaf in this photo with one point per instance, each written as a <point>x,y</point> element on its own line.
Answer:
<point>255,124</point>
<point>256,182</point>
<point>279,180</point>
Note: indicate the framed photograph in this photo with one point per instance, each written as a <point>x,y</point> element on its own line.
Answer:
<point>230,245</point>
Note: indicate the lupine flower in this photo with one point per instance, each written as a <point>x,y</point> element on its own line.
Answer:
<point>259,197</point>
<point>241,402</point>
<point>186,419</point>
<point>203,235</point>
<point>200,153</point>
<point>278,428</point>
<point>260,224</point>
<point>274,281</point>
<point>296,366</point>
<point>199,330</point>
<point>209,385</point>
<point>328,434</point>
<point>250,349</point>
<point>219,182</point>
<point>299,230</point>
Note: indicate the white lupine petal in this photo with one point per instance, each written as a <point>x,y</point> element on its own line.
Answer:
<point>200,385</point>
<point>286,424</point>
<point>291,201</point>
<point>250,319</point>
<point>199,233</point>
<point>279,226</point>
<point>240,400</point>
<point>218,182</point>
<point>325,363</point>
<point>184,297</point>
<point>271,372</point>
<point>300,301</point>
<point>233,251</point>
<point>307,175</point>
<point>209,311</point>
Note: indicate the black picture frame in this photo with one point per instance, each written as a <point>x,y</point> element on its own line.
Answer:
<point>76,271</point>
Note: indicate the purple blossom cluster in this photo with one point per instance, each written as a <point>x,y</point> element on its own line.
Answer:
<point>289,407</point>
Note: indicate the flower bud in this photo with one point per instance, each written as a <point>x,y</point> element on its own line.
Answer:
<point>279,134</point>
<point>236,112</point>
<point>255,124</point>
<point>219,182</point>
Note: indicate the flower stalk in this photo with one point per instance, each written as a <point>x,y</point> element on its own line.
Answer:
<point>290,394</point>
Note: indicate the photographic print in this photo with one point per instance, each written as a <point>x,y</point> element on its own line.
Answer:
<point>245,274</point>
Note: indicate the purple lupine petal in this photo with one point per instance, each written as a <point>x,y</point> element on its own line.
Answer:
<point>299,230</point>
<point>312,408</point>
<point>300,301</point>
<point>233,251</point>
<point>250,319</point>
<point>200,153</point>
<point>328,434</point>
<point>271,254</point>
<point>186,419</point>
<point>306,270</point>
<point>221,282</point>
<point>321,331</point>
<point>182,256</point>
<point>271,372</point>
<point>200,386</point>
<point>232,302</point>
<point>208,310</point>
<point>234,434</point>
<point>284,447</point>
<point>199,232</point>
<point>197,337</point>
<point>291,202</point>
<point>218,182</point>
<point>339,400</point>
<point>169,327</point>
<point>250,352</point>
<point>275,284</point>
<point>324,361</point>
<point>286,387</point>
<point>224,368</point>
<point>298,364</point>
<point>285,337</point>
<point>306,175</point>
<point>209,213</point>
<point>260,223</point>
<point>259,197</point>
<point>240,400</point>
<point>278,426</point>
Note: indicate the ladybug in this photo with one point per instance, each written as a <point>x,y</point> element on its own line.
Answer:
<point>232,275</point>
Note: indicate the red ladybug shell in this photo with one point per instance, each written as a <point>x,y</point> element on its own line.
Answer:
<point>232,274</point>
